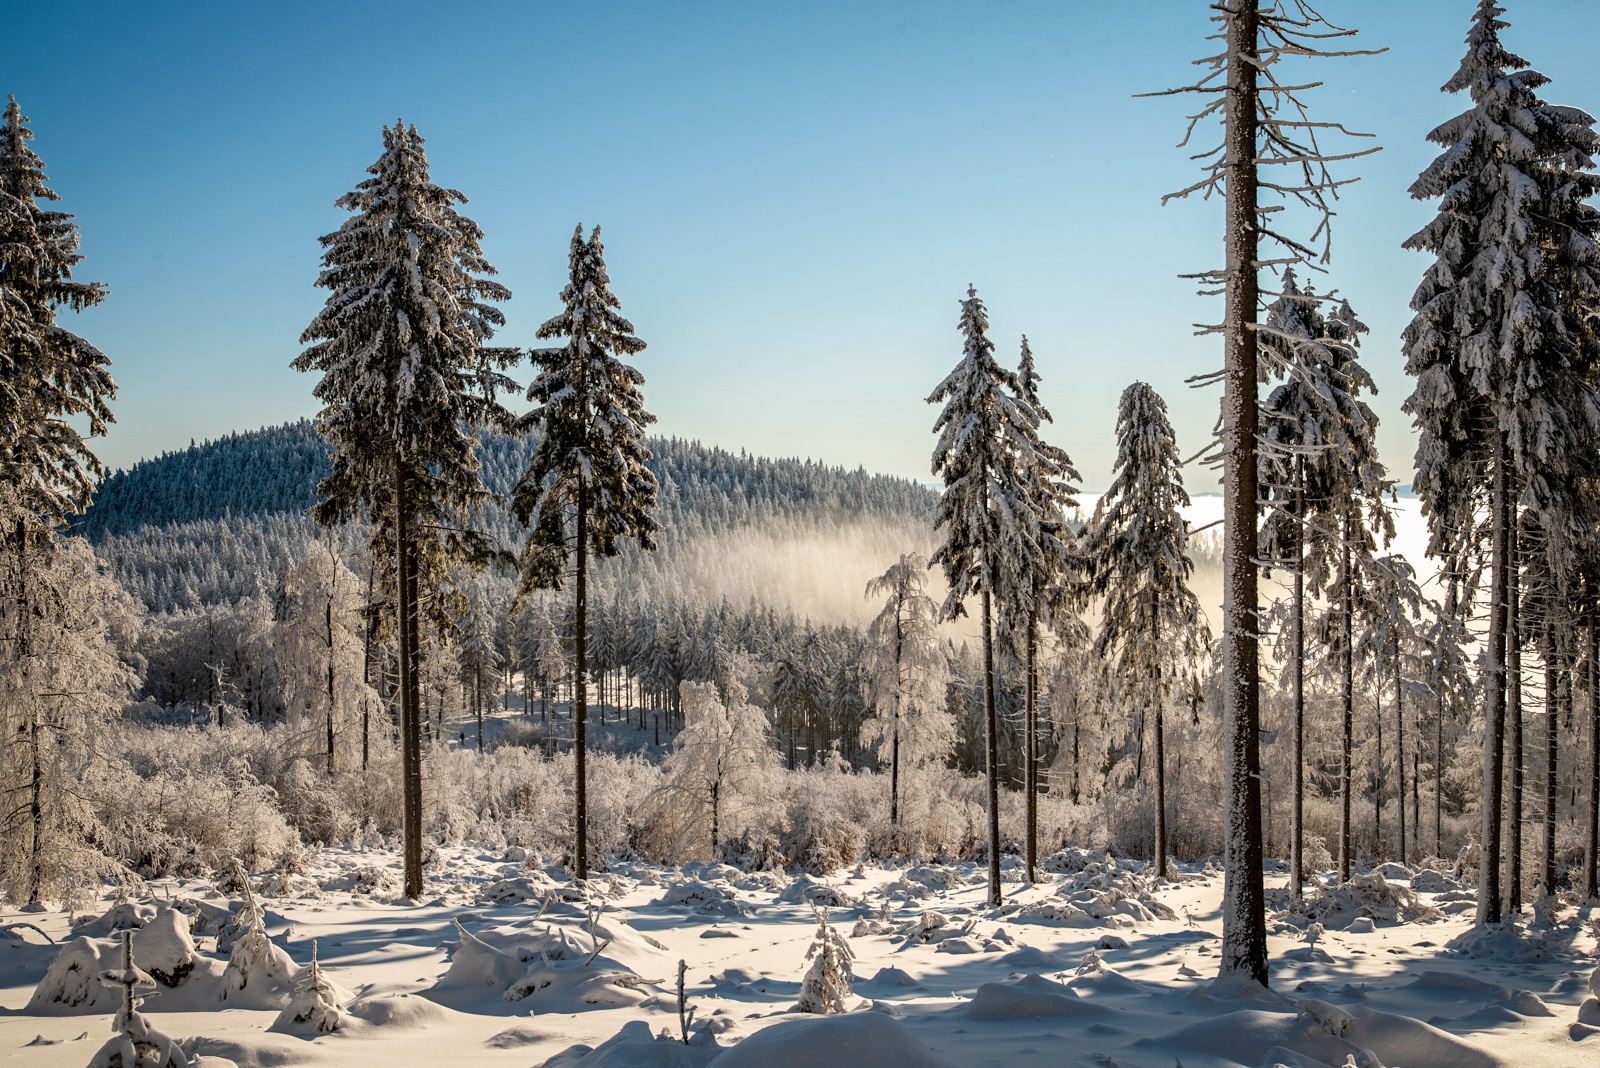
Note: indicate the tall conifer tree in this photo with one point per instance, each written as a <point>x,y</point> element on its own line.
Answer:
<point>406,378</point>
<point>1151,629</point>
<point>587,485</point>
<point>987,443</point>
<point>1502,359</point>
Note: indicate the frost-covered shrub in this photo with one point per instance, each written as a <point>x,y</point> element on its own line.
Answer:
<point>827,982</point>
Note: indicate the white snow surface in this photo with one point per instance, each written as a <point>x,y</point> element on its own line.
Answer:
<point>473,978</point>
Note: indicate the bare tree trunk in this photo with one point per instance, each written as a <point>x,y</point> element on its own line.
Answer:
<point>1297,683</point>
<point>991,740</point>
<point>328,621</point>
<point>1438,775</point>
<point>410,694</point>
<point>1591,857</point>
<point>1400,752</point>
<point>1494,711</point>
<point>1348,700</point>
<point>1031,772</point>
<point>1244,930</point>
<point>1513,887</point>
<point>1161,794</point>
<point>580,689</point>
<point>1377,769</point>
<point>894,741</point>
<point>1555,694</point>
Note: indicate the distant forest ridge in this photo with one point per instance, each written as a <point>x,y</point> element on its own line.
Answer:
<point>275,470</point>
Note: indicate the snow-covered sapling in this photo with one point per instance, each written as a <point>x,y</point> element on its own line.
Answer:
<point>827,981</point>
<point>134,1043</point>
<point>685,1010</point>
<point>318,1006</point>
<point>254,957</point>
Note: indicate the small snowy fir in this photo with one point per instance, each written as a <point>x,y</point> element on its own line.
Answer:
<point>255,964</point>
<point>827,981</point>
<point>134,1043</point>
<point>318,1005</point>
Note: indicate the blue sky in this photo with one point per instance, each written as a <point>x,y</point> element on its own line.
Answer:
<point>794,196</point>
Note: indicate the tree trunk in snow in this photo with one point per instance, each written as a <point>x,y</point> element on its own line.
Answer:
<point>1347,700</point>
<point>410,693</point>
<point>1031,717</point>
<point>1494,705</point>
<point>1244,931</point>
<point>991,743</point>
<point>1591,858</point>
<point>1297,683</point>
<point>580,690</point>
<point>1514,756</point>
<point>1400,751</point>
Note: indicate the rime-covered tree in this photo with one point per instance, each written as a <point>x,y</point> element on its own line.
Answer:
<point>1316,439</point>
<point>904,678</point>
<point>587,486</point>
<point>1049,591</point>
<point>987,444</point>
<point>1151,627</point>
<point>406,378</point>
<point>56,700</point>
<point>718,762</point>
<point>1498,347</point>
<point>318,648</point>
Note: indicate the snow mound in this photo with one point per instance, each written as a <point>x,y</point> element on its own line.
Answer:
<point>702,898</point>
<point>368,880</point>
<point>123,916</point>
<point>1364,897</point>
<point>1031,997</point>
<point>809,891</point>
<point>1502,942</point>
<point>563,970</point>
<point>534,886</point>
<point>1428,881</point>
<point>855,1040</point>
<point>1098,894</point>
<point>931,928</point>
<point>72,984</point>
<point>1323,1033</point>
<point>1072,861</point>
<point>635,1047</point>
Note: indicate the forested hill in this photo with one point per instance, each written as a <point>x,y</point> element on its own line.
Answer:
<point>275,470</point>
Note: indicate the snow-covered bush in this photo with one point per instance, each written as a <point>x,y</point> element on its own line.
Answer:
<point>827,982</point>
<point>259,972</point>
<point>317,1006</point>
<point>134,1043</point>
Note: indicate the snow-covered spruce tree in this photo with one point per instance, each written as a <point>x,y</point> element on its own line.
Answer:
<point>52,382</point>
<point>317,1007</point>
<point>54,385</point>
<point>718,765</point>
<point>1050,591</point>
<point>987,445</point>
<point>134,1043</point>
<point>905,673</point>
<point>827,982</point>
<point>1265,125</point>
<point>256,965</point>
<point>1151,627</point>
<point>318,648</point>
<point>406,378</point>
<point>1503,363</point>
<point>1317,438</point>
<point>587,485</point>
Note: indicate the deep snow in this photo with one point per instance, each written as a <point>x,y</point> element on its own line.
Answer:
<point>1097,965</point>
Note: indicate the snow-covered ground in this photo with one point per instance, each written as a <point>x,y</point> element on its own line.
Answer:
<point>509,964</point>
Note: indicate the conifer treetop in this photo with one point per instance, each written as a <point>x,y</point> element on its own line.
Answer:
<point>50,378</point>
<point>406,373</point>
<point>590,409</point>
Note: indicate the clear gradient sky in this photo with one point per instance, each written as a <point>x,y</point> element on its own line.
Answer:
<point>793,195</point>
